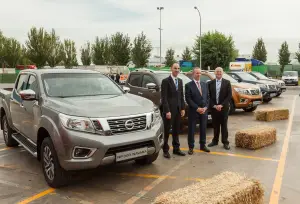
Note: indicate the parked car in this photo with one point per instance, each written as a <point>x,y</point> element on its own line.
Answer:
<point>290,77</point>
<point>280,85</point>
<point>267,88</point>
<point>245,96</point>
<point>147,83</point>
<point>74,119</point>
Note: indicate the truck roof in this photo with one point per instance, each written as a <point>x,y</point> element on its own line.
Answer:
<point>53,71</point>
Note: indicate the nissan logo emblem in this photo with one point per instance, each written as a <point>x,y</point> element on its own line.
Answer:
<point>129,125</point>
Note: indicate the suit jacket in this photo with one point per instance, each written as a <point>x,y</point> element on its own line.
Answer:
<point>225,94</point>
<point>194,98</point>
<point>172,100</point>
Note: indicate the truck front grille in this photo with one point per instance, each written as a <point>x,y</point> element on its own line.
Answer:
<point>114,150</point>
<point>254,92</point>
<point>272,87</point>
<point>130,124</point>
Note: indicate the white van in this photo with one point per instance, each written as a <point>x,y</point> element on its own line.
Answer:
<point>290,77</point>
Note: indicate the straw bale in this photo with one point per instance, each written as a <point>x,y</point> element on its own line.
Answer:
<point>271,114</point>
<point>255,137</point>
<point>225,188</point>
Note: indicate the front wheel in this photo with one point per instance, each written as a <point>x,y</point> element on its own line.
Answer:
<point>147,160</point>
<point>54,174</point>
<point>267,100</point>
<point>231,107</point>
<point>250,109</point>
<point>7,133</point>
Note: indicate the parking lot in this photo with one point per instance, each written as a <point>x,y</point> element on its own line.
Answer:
<point>276,166</point>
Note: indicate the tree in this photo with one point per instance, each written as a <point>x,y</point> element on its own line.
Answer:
<point>120,49</point>
<point>86,57</point>
<point>2,38</point>
<point>217,49</point>
<point>38,46</point>
<point>69,56</point>
<point>107,56</point>
<point>187,54</point>
<point>284,55</point>
<point>298,56</point>
<point>141,50</point>
<point>259,51</point>
<point>12,51</point>
<point>98,50</point>
<point>170,60</point>
<point>56,50</point>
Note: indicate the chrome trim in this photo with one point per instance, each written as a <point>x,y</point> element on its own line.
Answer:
<point>93,150</point>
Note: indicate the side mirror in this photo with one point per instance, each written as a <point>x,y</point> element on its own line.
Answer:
<point>239,80</point>
<point>126,89</point>
<point>151,86</point>
<point>28,95</point>
<point>208,80</point>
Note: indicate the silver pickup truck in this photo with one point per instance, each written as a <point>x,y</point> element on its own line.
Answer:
<point>76,120</point>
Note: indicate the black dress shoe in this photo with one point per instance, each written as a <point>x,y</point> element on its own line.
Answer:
<point>167,155</point>
<point>191,151</point>
<point>227,147</point>
<point>205,149</point>
<point>212,144</point>
<point>179,152</point>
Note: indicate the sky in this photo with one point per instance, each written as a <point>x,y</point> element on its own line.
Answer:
<point>275,21</point>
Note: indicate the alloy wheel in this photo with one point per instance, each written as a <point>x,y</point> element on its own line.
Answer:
<point>48,163</point>
<point>5,131</point>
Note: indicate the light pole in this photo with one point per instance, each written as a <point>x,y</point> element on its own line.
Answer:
<point>160,8</point>
<point>199,37</point>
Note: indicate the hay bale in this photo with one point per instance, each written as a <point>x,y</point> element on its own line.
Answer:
<point>225,188</point>
<point>255,137</point>
<point>271,114</point>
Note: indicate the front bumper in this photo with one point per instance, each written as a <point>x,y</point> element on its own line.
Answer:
<point>269,93</point>
<point>106,147</point>
<point>290,82</point>
<point>245,101</point>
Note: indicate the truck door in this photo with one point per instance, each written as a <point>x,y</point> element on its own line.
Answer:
<point>30,112</point>
<point>16,103</point>
<point>152,95</point>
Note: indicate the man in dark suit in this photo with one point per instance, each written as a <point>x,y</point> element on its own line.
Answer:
<point>220,95</point>
<point>196,96</point>
<point>172,109</point>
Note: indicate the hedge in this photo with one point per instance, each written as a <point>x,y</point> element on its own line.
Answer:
<point>8,78</point>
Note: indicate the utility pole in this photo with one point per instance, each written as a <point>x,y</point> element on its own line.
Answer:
<point>200,56</point>
<point>160,8</point>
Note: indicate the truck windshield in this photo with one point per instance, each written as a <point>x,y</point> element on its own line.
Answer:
<point>290,73</point>
<point>78,84</point>
<point>260,75</point>
<point>246,76</point>
<point>184,78</point>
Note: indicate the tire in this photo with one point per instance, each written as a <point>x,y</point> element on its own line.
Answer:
<point>58,177</point>
<point>147,160</point>
<point>250,109</point>
<point>231,107</point>
<point>7,133</point>
<point>278,94</point>
<point>267,100</point>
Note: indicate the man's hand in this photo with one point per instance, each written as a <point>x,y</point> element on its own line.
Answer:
<point>201,110</point>
<point>182,113</point>
<point>219,107</point>
<point>168,115</point>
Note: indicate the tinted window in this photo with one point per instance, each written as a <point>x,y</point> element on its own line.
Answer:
<point>135,79</point>
<point>204,78</point>
<point>21,83</point>
<point>161,76</point>
<point>290,73</point>
<point>147,79</point>
<point>246,76</point>
<point>32,84</point>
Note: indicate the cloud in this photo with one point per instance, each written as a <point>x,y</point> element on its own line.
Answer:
<point>83,20</point>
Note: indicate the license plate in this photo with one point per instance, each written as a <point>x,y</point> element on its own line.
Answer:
<point>121,156</point>
<point>256,102</point>
<point>273,94</point>
<point>209,117</point>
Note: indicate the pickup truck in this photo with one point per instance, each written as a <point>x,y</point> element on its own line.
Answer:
<point>78,119</point>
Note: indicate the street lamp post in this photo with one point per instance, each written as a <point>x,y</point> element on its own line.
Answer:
<point>200,55</point>
<point>160,8</point>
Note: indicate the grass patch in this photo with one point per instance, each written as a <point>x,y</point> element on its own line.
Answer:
<point>8,78</point>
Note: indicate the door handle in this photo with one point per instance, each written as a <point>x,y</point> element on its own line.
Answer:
<point>140,93</point>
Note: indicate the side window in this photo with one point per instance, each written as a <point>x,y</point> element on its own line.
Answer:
<point>21,85</point>
<point>32,84</point>
<point>147,79</point>
<point>204,78</point>
<point>135,80</point>
<point>234,76</point>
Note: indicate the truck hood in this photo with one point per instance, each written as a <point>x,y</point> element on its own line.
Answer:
<point>244,85</point>
<point>100,106</point>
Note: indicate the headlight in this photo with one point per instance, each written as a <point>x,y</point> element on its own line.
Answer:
<point>155,115</point>
<point>263,86</point>
<point>242,91</point>
<point>77,123</point>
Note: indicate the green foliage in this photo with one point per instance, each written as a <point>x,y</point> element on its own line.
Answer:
<point>38,46</point>
<point>12,52</point>
<point>141,50</point>
<point>187,54</point>
<point>69,56</point>
<point>298,56</point>
<point>56,50</point>
<point>98,50</point>
<point>120,48</point>
<point>86,57</point>
<point>259,51</point>
<point>170,60</point>
<point>284,55</point>
<point>217,50</point>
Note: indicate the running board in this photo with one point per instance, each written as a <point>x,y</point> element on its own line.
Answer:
<point>26,143</point>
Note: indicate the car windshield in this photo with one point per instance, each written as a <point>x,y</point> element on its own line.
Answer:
<point>79,84</point>
<point>225,76</point>
<point>184,78</point>
<point>260,75</point>
<point>246,76</point>
<point>290,73</point>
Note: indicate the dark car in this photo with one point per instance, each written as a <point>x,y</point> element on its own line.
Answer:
<point>280,85</point>
<point>268,88</point>
<point>147,83</point>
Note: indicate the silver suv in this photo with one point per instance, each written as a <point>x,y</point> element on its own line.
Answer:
<point>76,119</point>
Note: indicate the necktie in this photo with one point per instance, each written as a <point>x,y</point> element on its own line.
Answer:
<point>176,83</point>
<point>218,90</point>
<point>199,87</point>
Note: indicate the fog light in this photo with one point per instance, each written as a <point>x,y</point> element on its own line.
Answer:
<point>83,152</point>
